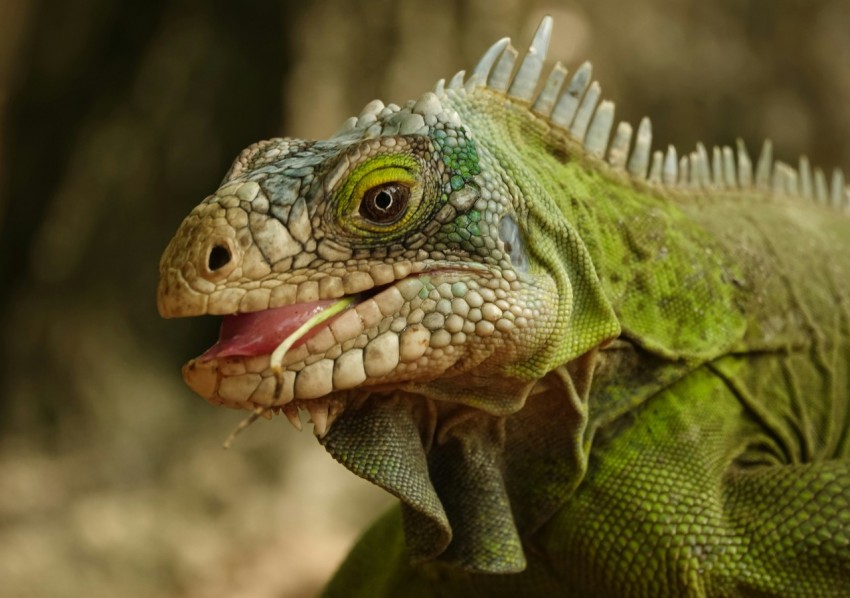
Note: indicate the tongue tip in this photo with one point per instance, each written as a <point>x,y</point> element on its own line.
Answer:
<point>233,347</point>
<point>210,354</point>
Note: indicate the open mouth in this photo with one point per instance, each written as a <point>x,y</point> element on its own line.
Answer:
<point>265,332</point>
<point>262,341</point>
<point>298,356</point>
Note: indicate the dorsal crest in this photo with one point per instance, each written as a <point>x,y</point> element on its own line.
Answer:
<point>576,108</point>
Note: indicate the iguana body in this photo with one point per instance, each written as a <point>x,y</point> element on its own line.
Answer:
<point>574,378</point>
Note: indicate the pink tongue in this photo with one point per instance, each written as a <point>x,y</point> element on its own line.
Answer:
<point>260,332</point>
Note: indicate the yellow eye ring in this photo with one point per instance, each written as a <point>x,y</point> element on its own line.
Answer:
<point>381,195</point>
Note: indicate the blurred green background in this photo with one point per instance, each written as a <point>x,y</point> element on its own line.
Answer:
<point>117,117</point>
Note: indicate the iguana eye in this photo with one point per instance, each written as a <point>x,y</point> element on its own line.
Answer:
<point>385,204</point>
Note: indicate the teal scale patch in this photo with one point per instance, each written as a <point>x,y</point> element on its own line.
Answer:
<point>459,155</point>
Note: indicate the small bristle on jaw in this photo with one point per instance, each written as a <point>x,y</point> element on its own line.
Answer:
<point>528,76</point>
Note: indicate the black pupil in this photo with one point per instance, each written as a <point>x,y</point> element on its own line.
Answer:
<point>383,200</point>
<point>385,203</point>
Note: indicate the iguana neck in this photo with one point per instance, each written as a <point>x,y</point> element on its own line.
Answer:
<point>658,267</point>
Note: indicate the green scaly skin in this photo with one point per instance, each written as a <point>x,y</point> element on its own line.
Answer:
<point>577,383</point>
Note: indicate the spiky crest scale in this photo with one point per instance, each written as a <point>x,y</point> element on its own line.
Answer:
<point>577,109</point>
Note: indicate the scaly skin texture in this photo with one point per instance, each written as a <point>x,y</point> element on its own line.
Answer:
<point>574,380</point>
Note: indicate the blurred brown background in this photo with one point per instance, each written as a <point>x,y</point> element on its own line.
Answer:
<point>117,117</point>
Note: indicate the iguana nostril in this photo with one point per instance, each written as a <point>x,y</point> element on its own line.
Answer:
<point>219,257</point>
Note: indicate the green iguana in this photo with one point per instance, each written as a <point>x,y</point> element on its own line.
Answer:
<point>577,377</point>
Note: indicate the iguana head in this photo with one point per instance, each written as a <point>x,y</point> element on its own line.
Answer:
<point>398,230</point>
<point>406,281</point>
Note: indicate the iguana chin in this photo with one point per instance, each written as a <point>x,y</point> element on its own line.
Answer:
<point>575,376</point>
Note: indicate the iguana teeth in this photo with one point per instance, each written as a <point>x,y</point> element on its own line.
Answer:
<point>764,166</point>
<point>528,75</point>
<point>640,154</point>
<point>821,189</point>
<point>565,108</point>
<point>319,416</point>
<point>745,165</point>
<point>806,178</point>
<point>837,189</point>
<point>501,74</point>
<point>618,153</point>
<point>730,178</point>
<point>669,175</point>
<point>457,81</point>
<point>485,65</point>
<point>546,100</point>
<point>291,413</point>
<point>596,140</point>
<point>585,110</point>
